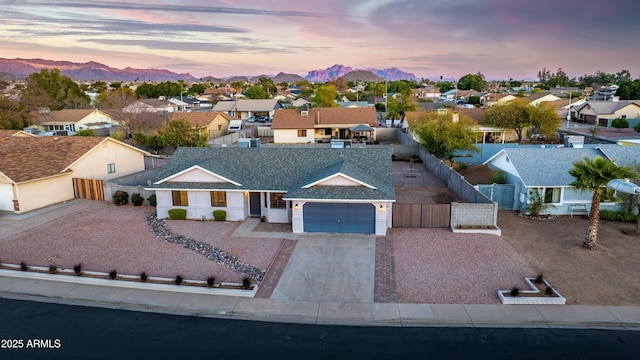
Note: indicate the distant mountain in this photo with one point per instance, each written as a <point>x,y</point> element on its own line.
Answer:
<point>288,78</point>
<point>21,68</point>
<point>6,76</point>
<point>362,75</point>
<point>242,79</point>
<point>338,70</point>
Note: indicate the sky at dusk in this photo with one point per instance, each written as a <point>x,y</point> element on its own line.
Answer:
<point>499,38</point>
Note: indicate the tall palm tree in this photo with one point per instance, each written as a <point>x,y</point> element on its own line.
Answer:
<point>593,175</point>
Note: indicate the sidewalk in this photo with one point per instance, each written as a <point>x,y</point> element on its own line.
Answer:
<point>170,299</point>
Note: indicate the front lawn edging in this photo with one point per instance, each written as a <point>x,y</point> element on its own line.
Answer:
<point>533,296</point>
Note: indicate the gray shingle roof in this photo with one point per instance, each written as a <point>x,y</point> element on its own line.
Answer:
<point>288,170</point>
<point>624,155</point>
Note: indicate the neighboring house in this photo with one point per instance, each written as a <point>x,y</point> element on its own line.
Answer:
<point>216,124</point>
<point>535,99</point>
<point>151,106</point>
<point>314,189</point>
<point>69,121</point>
<point>299,102</point>
<point>246,109</point>
<point>17,133</point>
<point>37,172</point>
<point>427,93</point>
<point>493,98</point>
<point>601,112</point>
<point>305,125</point>
<point>354,104</point>
<point>546,170</point>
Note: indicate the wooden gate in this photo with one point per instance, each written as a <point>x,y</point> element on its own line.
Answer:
<point>421,215</point>
<point>88,189</point>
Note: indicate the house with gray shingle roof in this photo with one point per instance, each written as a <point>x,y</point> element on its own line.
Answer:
<point>546,171</point>
<point>314,189</point>
<point>602,112</point>
<point>245,109</point>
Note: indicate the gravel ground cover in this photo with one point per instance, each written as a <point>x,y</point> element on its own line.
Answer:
<point>103,237</point>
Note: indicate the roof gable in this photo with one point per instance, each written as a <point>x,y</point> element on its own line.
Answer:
<point>197,174</point>
<point>323,117</point>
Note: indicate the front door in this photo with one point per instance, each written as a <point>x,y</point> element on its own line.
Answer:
<point>254,204</point>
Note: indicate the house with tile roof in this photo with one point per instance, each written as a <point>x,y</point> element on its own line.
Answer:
<point>304,125</point>
<point>150,106</point>
<point>72,120</point>
<point>19,133</point>
<point>546,171</point>
<point>246,109</point>
<point>216,124</point>
<point>601,113</point>
<point>314,189</point>
<point>39,171</point>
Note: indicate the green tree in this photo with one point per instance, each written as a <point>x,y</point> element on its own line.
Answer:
<point>325,96</point>
<point>55,91</point>
<point>629,90</point>
<point>178,133</point>
<point>13,115</point>
<point>472,81</point>
<point>85,132</point>
<point>256,92</point>
<point>404,102</point>
<point>442,135</point>
<point>593,175</point>
<point>620,123</point>
<point>445,86</point>
<point>268,85</point>
<point>519,115</point>
<point>196,89</point>
<point>238,86</point>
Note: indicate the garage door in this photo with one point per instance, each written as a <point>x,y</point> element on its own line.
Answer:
<point>340,218</point>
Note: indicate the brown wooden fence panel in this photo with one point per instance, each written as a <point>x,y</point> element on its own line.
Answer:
<point>91,189</point>
<point>436,215</point>
<point>421,215</point>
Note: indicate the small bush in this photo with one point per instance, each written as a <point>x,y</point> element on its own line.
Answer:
<point>219,215</point>
<point>113,274</point>
<point>637,128</point>
<point>548,291</point>
<point>539,279</point>
<point>211,281</point>
<point>620,123</point>
<point>53,269</point>
<point>497,178</point>
<point>246,282</point>
<point>617,216</point>
<point>177,214</point>
<point>24,266</point>
<point>179,279</point>
<point>120,197</point>
<point>514,291</point>
<point>143,276</point>
<point>462,166</point>
<point>136,199</point>
<point>77,268</point>
<point>152,200</point>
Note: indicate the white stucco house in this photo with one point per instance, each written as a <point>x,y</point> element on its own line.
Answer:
<point>316,190</point>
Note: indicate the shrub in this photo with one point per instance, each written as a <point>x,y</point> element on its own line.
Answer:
<point>219,215</point>
<point>539,279</point>
<point>497,178</point>
<point>77,268</point>
<point>120,197</point>
<point>177,214</point>
<point>637,128</point>
<point>514,291</point>
<point>113,274</point>
<point>179,279</point>
<point>620,123</point>
<point>617,216</point>
<point>52,269</point>
<point>152,200</point>
<point>143,276</point>
<point>24,266</point>
<point>246,282</point>
<point>211,281</point>
<point>548,291</point>
<point>136,199</point>
<point>462,166</point>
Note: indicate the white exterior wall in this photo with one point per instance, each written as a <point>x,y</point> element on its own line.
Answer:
<point>94,164</point>
<point>6,197</point>
<point>37,194</point>
<point>290,136</point>
<point>95,117</point>
<point>200,205</point>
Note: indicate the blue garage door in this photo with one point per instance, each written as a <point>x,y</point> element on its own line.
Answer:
<point>340,218</point>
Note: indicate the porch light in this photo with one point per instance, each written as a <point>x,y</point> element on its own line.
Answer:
<point>296,207</point>
<point>381,208</point>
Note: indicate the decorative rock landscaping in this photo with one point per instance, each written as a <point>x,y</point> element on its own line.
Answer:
<point>162,231</point>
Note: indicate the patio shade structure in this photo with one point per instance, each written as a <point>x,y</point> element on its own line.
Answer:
<point>627,187</point>
<point>359,129</point>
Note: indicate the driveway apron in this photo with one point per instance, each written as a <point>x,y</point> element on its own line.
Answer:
<point>328,267</point>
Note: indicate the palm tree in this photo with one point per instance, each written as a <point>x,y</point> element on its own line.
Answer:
<point>593,175</point>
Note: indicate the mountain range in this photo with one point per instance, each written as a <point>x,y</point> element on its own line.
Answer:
<point>94,71</point>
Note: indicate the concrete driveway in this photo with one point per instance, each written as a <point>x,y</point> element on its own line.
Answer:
<point>330,268</point>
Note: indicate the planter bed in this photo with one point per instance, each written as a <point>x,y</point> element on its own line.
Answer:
<point>534,296</point>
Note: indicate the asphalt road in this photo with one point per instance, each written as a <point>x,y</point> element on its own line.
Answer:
<point>42,331</point>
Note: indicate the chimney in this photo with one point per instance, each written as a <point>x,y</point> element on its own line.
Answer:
<point>318,116</point>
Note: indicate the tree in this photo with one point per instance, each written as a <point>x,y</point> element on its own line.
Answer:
<point>593,175</point>
<point>472,81</point>
<point>325,96</point>
<point>442,135</point>
<point>268,85</point>
<point>85,132</point>
<point>620,123</point>
<point>178,133</point>
<point>13,115</point>
<point>238,86</point>
<point>196,89</point>
<point>398,107</point>
<point>518,115</point>
<point>629,90</point>
<point>256,92</point>
<point>50,89</point>
<point>445,86</point>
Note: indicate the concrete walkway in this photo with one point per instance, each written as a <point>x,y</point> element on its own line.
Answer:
<point>329,279</point>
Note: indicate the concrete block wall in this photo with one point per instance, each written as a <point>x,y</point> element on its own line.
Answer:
<point>467,214</point>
